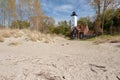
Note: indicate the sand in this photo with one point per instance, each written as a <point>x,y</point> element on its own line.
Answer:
<point>60,59</point>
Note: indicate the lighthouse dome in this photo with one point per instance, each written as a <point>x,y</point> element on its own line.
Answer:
<point>74,13</point>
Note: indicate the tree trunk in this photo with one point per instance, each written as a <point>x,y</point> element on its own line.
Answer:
<point>99,8</point>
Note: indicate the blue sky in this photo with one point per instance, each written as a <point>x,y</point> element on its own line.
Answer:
<point>62,9</point>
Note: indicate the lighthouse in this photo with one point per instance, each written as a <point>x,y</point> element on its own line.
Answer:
<point>74,19</point>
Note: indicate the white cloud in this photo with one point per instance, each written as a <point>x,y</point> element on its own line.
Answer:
<point>61,9</point>
<point>64,8</point>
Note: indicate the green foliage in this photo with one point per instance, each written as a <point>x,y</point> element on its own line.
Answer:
<point>116,19</point>
<point>82,21</point>
<point>86,21</point>
<point>108,20</point>
<point>51,28</point>
<point>112,19</point>
<point>20,24</point>
<point>62,28</point>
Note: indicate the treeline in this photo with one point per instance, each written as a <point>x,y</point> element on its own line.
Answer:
<point>105,21</point>
<point>110,24</point>
<point>19,14</point>
<point>107,18</point>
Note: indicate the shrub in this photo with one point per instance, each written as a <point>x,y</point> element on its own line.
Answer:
<point>19,24</point>
<point>62,28</point>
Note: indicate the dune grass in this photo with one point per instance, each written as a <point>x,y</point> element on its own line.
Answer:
<point>18,34</point>
<point>31,35</point>
<point>14,43</point>
<point>1,39</point>
<point>5,33</point>
<point>34,36</point>
<point>25,34</point>
<point>46,40</point>
<point>105,38</point>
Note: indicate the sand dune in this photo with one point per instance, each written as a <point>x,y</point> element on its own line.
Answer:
<point>60,59</point>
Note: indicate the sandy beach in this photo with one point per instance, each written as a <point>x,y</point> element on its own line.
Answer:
<point>60,59</point>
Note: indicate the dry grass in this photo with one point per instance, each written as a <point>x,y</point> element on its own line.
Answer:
<point>47,38</point>
<point>28,35</point>
<point>105,38</point>
<point>14,44</point>
<point>1,39</point>
<point>34,36</point>
<point>6,34</point>
<point>115,40</point>
<point>100,41</point>
<point>19,34</point>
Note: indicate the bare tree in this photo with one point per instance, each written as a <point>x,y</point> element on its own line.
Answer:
<point>3,7</point>
<point>100,7</point>
<point>29,10</point>
<point>11,10</point>
<point>37,13</point>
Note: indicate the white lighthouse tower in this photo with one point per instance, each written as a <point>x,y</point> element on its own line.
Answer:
<point>74,19</point>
